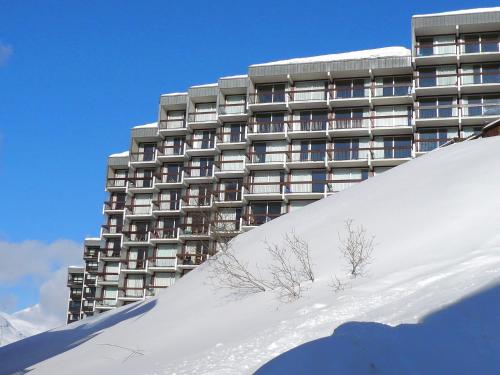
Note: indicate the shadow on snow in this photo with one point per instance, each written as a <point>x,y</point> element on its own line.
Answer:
<point>462,338</point>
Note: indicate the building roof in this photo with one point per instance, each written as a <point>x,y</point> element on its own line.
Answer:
<point>462,11</point>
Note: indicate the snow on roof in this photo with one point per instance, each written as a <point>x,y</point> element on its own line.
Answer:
<point>463,11</point>
<point>237,76</point>
<point>174,94</point>
<point>151,125</point>
<point>120,154</point>
<point>206,85</point>
<point>354,55</point>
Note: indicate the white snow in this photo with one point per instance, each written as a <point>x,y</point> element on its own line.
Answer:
<point>462,11</point>
<point>429,304</point>
<point>151,125</point>
<point>120,154</point>
<point>207,85</point>
<point>355,55</point>
<point>174,94</point>
<point>236,76</point>
<point>13,329</point>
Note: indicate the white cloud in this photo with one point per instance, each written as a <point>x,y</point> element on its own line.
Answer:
<point>5,53</point>
<point>47,265</point>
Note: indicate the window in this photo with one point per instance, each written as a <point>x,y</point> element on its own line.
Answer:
<point>346,149</point>
<point>436,45</point>
<point>120,177</point>
<point>234,104</point>
<point>308,151</point>
<point>481,105</point>
<point>309,90</point>
<point>118,201</point>
<point>262,212</point>
<point>480,43</point>
<point>134,286</point>
<point>176,120</point>
<point>165,255</point>
<point>352,118</point>
<point>232,160</point>
<point>267,182</point>
<point>395,147</point>
<point>269,123</point>
<point>146,152</point>
<point>143,178</point>
<point>437,107</point>
<point>204,112</point>
<point>169,200</point>
<point>437,76</point>
<point>392,116</point>
<point>230,190</point>
<point>234,133</point>
<point>346,177</point>
<point>431,139</point>
<point>351,88</point>
<point>310,121</point>
<point>269,152</point>
<point>393,86</point>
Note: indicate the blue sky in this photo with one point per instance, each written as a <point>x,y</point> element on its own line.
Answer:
<point>81,74</point>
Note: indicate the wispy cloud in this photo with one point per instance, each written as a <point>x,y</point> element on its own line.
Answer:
<point>5,53</point>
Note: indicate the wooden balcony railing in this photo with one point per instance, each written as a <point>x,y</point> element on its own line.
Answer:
<point>229,165</point>
<point>395,89</point>
<point>308,125</point>
<point>202,116</point>
<point>456,47</point>
<point>348,153</point>
<point>167,205</point>
<point>143,156</point>
<point>187,259</point>
<point>398,152</point>
<point>429,144</point>
<point>134,264</point>
<point>108,276</point>
<point>198,200</point>
<point>301,95</point>
<point>138,209</point>
<point>136,236</point>
<point>227,195</point>
<point>114,205</point>
<point>169,177</point>
<point>105,301</point>
<point>267,157</point>
<point>353,92</point>
<point>266,97</point>
<point>111,228</point>
<point>200,143</point>
<point>163,261</point>
<point>111,253</point>
<point>199,171</point>
<point>164,233</point>
<point>195,229</point>
<point>265,187</point>
<point>231,137</point>
<point>256,127</point>
<point>172,124</point>
<point>436,111</point>
<point>116,182</point>
<point>306,155</point>
<point>259,219</point>
<point>171,150</point>
<point>232,109</point>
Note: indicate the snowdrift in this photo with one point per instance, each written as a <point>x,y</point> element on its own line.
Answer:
<point>429,304</point>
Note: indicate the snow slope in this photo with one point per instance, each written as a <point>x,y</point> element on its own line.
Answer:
<point>13,329</point>
<point>430,303</point>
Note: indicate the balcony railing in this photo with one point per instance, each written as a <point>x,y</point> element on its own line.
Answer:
<point>137,236</point>
<point>187,259</point>
<point>436,111</point>
<point>195,229</point>
<point>306,155</point>
<point>232,109</point>
<point>436,79</point>
<point>401,152</point>
<point>167,205</point>
<point>231,137</point>
<point>200,143</point>
<point>267,156</point>
<point>111,228</point>
<point>136,264</point>
<point>429,144</point>
<point>480,78</point>
<point>171,124</point>
<point>75,295</point>
<point>308,125</point>
<point>348,153</point>
<point>335,185</point>
<point>395,89</point>
<point>198,200</point>
<point>265,187</point>
<point>114,205</point>
<point>108,276</point>
<point>170,262</point>
<point>91,268</point>
<point>164,233</point>
<point>138,209</point>
<point>361,122</point>
<point>169,177</point>
<point>455,47</point>
<point>199,171</point>
<point>267,97</point>
<point>391,121</point>
<point>116,182</point>
<point>353,92</point>
<point>229,165</point>
<point>309,186</point>
<point>111,253</point>
<point>259,219</point>
<point>436,48</point>
<point>140,182</point>
<point>227,195</point>
<point>171,150</point>
<point>266,127</point>
<point>474,110</point>
<point>105,301</point>
<point>75,281</point>
<point>143,156</point>
<point>302,95</point>
<point>221,226</point>
<point>202,116</point>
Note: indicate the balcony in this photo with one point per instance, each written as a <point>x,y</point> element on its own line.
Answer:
<point>480,113</point>
<point>197,201</point>
<point>268,100</point>
<point>163,263</point>
<point>308,98</point>
<point>436,83</point>
<point>90,254</point>
<point>87,308</point>
<point>306,189</point>
<point>110,254</point>
<point>114,206</point>
<point>432,115</point>
<point>228,140</point>
<point>431,51</point>
<point>144,158</point>
<point>90,280</point>
<point>165,234</point>
<point>347,126</point>
<point>307,158</point>
<point>390,94</point>
<point>308,128</point>
<point>140,183</point>
<point>139,210</point>
<point>116,183</point>
<point>74,281</point>
<point>74,308</point>
<point>168,153</point>
<point>166,206</point>
<point>75,295</point>
<point>187,260</point>
<point>202,119</point>
<point>229,168</point>
<point>479,47</point>
<point>233,112</point>
<point>134,266</point>
<point>111,229</point>
<point>140,237</point>
<point>267,159</point>
<point>105,303</point>
<point>200,146</point>
<point>195,230</point>
<point>480,82</point>
<point>256,219</point>
<point>343,156</point>
<point>169,179</point>
<point>337,184</point>
<point>429,144</point>
<point>199,174</point>
<point>91,267</point>
<point>172,126</point>
<point>267,130</point>
<point>392,124</point>
<point>350,94</point>
<point>225,197</point>
<point>264,190</point>
<point>107,278</point>
<point>383,156</point>
<point>221,227</point>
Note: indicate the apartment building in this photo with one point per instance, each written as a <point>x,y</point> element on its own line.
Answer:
<point>229,156</point>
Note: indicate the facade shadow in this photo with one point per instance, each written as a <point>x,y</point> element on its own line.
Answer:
<point>16,358</point>
<point>463,338</point>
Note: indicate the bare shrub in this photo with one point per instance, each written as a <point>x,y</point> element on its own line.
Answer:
<point>356,248</point>
<point>337,285</point>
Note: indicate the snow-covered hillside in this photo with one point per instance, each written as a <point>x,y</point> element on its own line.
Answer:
<point>13,329</point>
<point>430,303</point>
